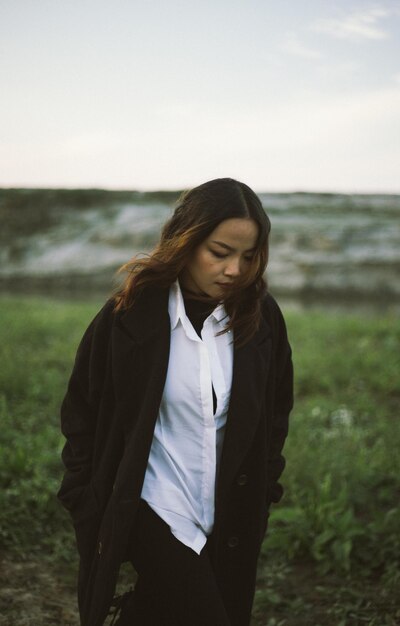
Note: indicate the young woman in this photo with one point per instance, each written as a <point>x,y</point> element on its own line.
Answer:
<point>175,418</point>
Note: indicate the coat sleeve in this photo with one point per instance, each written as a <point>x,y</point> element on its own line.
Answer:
<point>80,406</point>
<point>283,402</point>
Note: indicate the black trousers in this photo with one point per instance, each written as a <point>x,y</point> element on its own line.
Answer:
<point>175,586</point>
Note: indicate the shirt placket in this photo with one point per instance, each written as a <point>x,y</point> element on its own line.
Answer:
<point>209,431</point>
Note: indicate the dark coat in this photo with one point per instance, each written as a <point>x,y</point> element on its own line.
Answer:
<point>108,418</point>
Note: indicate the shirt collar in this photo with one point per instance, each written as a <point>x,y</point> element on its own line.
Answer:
<point>176,307</point>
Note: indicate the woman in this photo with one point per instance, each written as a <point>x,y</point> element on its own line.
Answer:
<point>175,418</point>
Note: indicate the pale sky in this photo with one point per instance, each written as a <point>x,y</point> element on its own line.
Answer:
<point>283,95</point>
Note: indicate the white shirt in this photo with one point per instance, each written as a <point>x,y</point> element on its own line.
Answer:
<point>179,483</point>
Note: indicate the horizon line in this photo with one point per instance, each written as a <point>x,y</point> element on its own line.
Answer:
<point>294,190</point>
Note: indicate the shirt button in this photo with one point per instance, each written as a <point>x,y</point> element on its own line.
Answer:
<point>242,480</point>
<point>100,548</point>
<point>233,542</point>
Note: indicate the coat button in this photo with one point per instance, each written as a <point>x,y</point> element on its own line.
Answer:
<point>99,548</point>
<point>242,480</point>
<point>233,542</point>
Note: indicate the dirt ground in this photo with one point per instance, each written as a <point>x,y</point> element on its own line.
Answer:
<point>35,592</point>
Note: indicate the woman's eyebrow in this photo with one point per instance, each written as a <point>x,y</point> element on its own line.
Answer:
<point>225,245</point>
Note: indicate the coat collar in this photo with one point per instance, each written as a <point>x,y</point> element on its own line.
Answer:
<point>150,309</point>
<point>145,317</point>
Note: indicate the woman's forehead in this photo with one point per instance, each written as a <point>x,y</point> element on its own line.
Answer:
<point>235,233</point>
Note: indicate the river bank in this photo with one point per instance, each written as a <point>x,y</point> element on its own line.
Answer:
<point>323,246</point>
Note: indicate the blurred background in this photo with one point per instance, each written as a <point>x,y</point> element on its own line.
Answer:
<point>108,111</point>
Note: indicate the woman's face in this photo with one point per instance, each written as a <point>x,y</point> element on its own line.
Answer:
<point>220,258</point>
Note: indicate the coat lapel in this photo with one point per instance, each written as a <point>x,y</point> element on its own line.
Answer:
<point>141,362</point>
<point>250,370</point>
<point>147,314</point>
<point>140,347</point>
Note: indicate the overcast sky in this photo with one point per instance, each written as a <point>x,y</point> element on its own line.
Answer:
<point>284,95</point>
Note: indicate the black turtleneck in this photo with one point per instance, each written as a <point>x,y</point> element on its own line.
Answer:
<point>197,311</point>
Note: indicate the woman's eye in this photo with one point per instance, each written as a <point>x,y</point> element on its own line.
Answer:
<point>218,254</point>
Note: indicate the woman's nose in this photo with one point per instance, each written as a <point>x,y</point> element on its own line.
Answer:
<point>233,268</point>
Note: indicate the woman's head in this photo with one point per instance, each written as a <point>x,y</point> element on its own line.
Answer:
<point>216,243</point>
<point>220,209</point>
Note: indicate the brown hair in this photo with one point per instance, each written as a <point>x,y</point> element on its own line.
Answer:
<point>198,212</point>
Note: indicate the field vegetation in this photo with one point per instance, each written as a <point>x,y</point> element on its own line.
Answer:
<point>332,553</point>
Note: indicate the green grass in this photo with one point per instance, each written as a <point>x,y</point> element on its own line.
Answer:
<point>339,520</point>
<point>38,340</point>
<point>343,466</point>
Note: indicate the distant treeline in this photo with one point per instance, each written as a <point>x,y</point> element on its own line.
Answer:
<point>34,210</point>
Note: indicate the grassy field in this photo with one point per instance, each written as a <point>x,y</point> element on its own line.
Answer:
<point>332,554</point>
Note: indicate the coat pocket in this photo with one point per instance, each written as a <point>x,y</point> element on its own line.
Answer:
<point>85,504</point>
<point>86,518</point>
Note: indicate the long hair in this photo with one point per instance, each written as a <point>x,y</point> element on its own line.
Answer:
<point>198,212</point>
